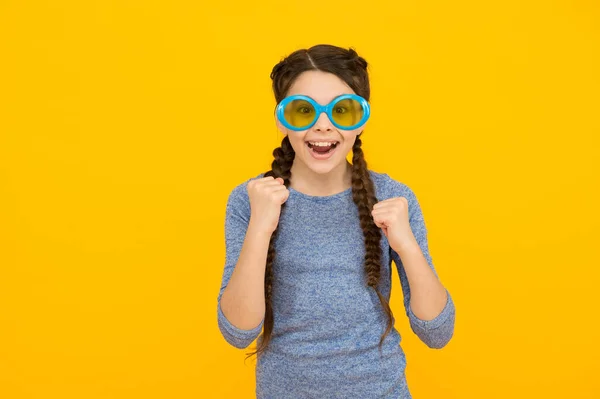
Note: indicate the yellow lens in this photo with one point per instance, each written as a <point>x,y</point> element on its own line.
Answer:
<point>347,112</point>
<point>299,113</point>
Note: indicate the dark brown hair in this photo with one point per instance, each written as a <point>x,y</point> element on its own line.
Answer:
<point>352,69</point>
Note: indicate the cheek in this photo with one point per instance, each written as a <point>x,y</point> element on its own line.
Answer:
<point>350,138</point>
<point>296,140</point>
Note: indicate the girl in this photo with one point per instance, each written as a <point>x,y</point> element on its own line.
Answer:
<point>306,260</point>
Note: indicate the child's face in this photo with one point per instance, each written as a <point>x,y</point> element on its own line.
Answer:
<point>322,87</point>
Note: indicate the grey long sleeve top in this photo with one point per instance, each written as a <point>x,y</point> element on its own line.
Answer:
<point>327,322</point>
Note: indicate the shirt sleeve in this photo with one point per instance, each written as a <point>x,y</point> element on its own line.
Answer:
<point>237,218</point>
<point>434,333</point>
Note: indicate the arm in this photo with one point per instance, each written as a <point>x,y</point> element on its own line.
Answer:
<point>241,301</point>
<point>428,303</point>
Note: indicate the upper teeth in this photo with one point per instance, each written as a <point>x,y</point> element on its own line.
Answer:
<point>321,144</point>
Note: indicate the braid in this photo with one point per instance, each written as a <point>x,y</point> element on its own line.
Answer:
<point>280,167</point>
<point>363,195</point>
<point>352,69</point>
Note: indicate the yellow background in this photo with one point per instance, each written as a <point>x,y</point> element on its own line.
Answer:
<point>125,124</point>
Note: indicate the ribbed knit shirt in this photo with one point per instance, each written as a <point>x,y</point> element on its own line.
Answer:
<point>327,321</point>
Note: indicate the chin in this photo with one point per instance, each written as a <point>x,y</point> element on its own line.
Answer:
<point>322,170</point>
<point>322,167</point>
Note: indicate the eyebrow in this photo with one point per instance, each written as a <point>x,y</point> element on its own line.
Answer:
<point>329,102</point>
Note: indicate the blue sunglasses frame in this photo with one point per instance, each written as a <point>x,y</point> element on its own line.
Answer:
<point>319,109</point>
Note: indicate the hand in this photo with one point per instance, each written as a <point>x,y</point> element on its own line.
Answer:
<point>266,197</point>
<point>391,215</point>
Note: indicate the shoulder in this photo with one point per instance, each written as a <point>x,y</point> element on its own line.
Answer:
<point>238,195</point>
<point>387,187</point>
<point>390,187</point>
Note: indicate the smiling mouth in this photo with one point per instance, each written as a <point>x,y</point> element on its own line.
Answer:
<point>322,149</point>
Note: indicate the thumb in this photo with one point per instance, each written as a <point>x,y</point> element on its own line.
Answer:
<point>280,180</point>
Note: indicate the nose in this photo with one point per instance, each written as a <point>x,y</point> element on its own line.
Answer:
<point>323,123</point>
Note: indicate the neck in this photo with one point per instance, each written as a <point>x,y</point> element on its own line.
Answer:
<point>307,181</point>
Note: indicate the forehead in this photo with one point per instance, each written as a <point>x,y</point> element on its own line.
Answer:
<point>320,86</point>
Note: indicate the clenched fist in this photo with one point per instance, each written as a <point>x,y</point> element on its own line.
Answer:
<point>266,197</point>
<point>391,215</point>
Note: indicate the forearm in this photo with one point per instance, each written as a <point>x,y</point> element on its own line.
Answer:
<point>428,296</point>
<point>243,300</point>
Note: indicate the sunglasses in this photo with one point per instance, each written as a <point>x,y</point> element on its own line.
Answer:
<point>346,112</point>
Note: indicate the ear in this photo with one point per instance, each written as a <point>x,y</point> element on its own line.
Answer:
<point>364,126</point>
<point>280,127</point>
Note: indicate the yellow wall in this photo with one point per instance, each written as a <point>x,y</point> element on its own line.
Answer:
<point>123,129</point>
